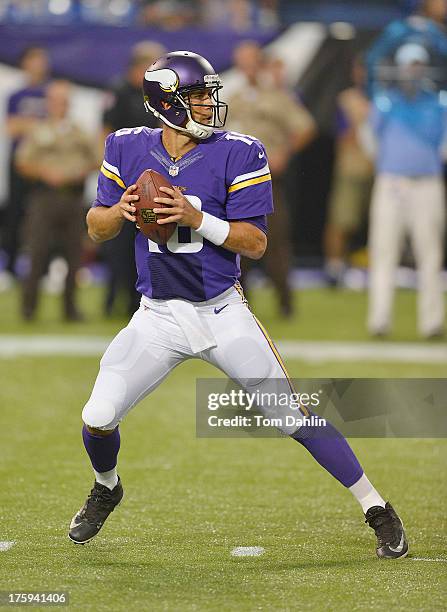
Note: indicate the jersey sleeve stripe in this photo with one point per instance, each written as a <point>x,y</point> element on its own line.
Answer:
<point>250,175</point>
<point>255,181</point>
<point>113,177</point>
<point>113,169</point>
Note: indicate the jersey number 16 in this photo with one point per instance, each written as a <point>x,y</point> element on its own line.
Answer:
<point>190,242</point>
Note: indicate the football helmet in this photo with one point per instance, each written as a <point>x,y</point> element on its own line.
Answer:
<point>167,85</point>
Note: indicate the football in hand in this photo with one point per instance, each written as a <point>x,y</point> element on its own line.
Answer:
<point>148,188</point>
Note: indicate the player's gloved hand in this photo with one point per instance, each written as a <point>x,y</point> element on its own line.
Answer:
<point>125,205</point>
<point>181,210</point>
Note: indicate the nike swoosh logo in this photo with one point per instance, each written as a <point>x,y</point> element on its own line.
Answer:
<point>401,545</point>
<point>217,310</point>
<point>261,155</point>
<point>74,522</point>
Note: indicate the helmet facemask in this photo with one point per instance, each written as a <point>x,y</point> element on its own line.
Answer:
<point>176,109</point>
<point>218,108</point>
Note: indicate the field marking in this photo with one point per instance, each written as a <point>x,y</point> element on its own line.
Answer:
<point>424,559</point>
<point>247,551</point>
<point>315,351</point>
<point>39,346</point>
<point>321,351</point>
<point>4,546</point>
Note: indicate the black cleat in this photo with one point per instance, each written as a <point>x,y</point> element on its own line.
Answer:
<point>91,517</point>
<point>392,542</point>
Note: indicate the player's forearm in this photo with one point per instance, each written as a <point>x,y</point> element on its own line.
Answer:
<point>104,223</point>
<point>236,236</point>
<point>246,239</point>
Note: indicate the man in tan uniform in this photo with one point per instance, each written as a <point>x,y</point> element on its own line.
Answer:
<point>57,155</point>
<point>263,108</point>
<point>353,176</point>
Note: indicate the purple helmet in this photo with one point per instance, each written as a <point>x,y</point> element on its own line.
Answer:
<point>167,85</point>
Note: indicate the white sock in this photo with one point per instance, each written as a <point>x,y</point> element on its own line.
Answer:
<point>108,479</point>
<point>366,494</point>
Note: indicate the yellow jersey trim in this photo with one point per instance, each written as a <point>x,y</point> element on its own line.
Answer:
<point>255,181</point>
<point>112,176</point>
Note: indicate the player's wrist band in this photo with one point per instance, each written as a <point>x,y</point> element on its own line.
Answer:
<point>213,229</point>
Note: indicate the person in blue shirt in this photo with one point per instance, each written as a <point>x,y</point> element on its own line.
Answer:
<point>425,26</point>
<point>409,125</point>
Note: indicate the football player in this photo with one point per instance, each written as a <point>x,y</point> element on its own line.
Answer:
<point>191,304</point>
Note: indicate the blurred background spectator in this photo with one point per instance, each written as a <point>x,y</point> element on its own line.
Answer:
<point>56,155</point>
<point>353,176</point>
<point>232,14</point>
<point>165,14</point>
<point>410,126</point>
<point>265,109</point>
<point>24,109</point>
<point>240,15</point>
<point>125,109</point>
<point>169,14</point>
<point>426,27</point>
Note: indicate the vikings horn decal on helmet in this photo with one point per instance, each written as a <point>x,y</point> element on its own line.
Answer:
<point>167,85</point>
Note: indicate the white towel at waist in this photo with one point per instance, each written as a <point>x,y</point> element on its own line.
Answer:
<point>197,332</point>
<point>187,316</point>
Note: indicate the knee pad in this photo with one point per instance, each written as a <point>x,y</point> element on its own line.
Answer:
<point>98,413</point>
<point>250,360</point>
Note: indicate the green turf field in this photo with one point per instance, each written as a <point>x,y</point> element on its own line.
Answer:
<point>320,315</point>
<point>189,502</point>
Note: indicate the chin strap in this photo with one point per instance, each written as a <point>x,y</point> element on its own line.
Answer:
<point>192,128</point>
<point>198,131</point>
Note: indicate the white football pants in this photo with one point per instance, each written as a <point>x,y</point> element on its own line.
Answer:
<point>416,207</point>
<point>154,343</point>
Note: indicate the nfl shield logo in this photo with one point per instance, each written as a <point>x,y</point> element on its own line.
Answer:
<point>173,170</point>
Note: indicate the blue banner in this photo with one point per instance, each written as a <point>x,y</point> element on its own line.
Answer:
<point>97,55</point>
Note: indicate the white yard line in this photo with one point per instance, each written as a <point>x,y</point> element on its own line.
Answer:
<point>320,351</point>
<point>247,551</point>
<point>316,351</point>
<point>4,546</point>
<point>39,346</point>
<point>423,559</point>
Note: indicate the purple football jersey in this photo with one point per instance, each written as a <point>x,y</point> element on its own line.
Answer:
<point>226,175</point>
